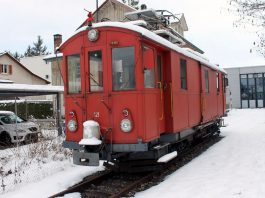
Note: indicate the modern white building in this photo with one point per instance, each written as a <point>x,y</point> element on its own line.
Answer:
<point>246,87</point>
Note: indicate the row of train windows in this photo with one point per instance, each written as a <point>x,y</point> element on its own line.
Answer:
<point>123,71</point>
<point>183,77</point>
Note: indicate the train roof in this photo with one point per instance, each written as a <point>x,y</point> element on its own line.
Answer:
<point>133,26</point>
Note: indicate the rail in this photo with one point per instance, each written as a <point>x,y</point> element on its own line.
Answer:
<point>116,183</point>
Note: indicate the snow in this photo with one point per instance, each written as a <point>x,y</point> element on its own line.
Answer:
<point>90,123</point>
<point>91,133</point>
<point>168,157</point>
<point>232,168</point>
<point>90,141</point>
<point>171,35</point>
<point>6,81</point>
<point>25,100</point>
<point>51,56</point>
<point>27,87</point>
<point>152,36</point>
<point>6,112</point>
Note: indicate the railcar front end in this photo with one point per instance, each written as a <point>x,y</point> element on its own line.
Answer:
<point>114,104</point>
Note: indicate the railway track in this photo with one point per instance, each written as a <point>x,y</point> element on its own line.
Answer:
<point>112,184</point>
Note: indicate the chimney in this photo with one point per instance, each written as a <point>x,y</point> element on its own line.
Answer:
<point>57,41</point>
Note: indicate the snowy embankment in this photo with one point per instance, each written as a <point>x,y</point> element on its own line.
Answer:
<point>233,167</point>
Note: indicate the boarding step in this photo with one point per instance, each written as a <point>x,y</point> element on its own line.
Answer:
<point>160,146</point>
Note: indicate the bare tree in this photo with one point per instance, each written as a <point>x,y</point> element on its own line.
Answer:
<point>252,12</point>
<point>133,3</point>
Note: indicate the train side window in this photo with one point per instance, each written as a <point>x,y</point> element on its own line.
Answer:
<point>217,83</point>
<point>95,71</point>
<point>206,77</point>
<point>149,67</point>
<point>225,83</point>
<point>73,74</point>
<point>159,68</point>
<point>123,68</point>
<point>183,74</point>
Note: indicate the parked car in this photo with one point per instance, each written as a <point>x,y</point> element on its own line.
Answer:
<point>15,129</point>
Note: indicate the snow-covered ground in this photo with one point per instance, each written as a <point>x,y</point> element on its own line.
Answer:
<point>232,168</point>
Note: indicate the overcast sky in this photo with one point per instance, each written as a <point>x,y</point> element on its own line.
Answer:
<point>210,26</point>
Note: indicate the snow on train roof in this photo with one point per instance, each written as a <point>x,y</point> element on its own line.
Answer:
<point>151,35</point>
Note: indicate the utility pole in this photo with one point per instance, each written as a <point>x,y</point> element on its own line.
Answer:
<point>97,10</point>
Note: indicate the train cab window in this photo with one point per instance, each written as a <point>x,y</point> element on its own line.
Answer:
<point>183,74</point>
<point>206,77</point>
<point>149,67</point>
<point>73,74</point>
<point>123,68</point>
<point>95,71</point>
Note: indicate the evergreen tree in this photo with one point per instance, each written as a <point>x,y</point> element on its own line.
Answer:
<point>16,55</point>
<point>38,48</point>
<point>29,52</point>
<point>132,3</point>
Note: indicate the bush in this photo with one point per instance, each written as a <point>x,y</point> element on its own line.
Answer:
<point>36,109</point>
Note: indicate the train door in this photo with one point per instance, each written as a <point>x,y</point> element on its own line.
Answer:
<point>161,86</point>
<point>151,93</point>
<point>205,89</point>
<point>96,89</point>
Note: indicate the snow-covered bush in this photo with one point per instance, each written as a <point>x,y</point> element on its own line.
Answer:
<point>32,162</point>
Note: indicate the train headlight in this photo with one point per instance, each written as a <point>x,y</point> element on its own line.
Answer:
<point>93,35</point>
<point>72,125</point>
<point>126,125</point>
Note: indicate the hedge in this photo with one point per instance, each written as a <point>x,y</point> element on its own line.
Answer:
<point>38,110</point>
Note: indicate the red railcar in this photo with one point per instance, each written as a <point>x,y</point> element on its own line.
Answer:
<point>131,94</point>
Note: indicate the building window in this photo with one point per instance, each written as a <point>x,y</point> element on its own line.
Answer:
<point>123,68</point>
<point>5,69</point>
<point>206,77</point>
<point>183,74</point>
<point>252,90</point>
<point>47,76</point>
<point>73,74</point>
<point>244,87</point>
<point>96,71</point>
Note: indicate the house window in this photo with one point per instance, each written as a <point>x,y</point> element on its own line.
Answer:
<point>183,74</point>
<point>206,77</point>
<point>5,69</point>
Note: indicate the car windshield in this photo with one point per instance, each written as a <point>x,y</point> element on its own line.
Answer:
<point>11,119</point>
